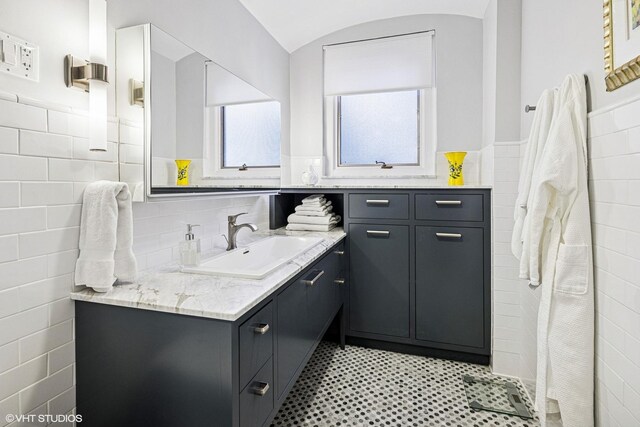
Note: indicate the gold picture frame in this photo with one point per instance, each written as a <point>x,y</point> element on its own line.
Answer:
<point>616,77</point>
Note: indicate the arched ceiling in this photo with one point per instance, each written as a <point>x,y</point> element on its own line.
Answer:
<point>294,23</point>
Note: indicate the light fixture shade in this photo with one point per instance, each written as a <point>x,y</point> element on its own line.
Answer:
<point>98,89</point>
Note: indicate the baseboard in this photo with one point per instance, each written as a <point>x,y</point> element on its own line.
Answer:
<point>419,351</point>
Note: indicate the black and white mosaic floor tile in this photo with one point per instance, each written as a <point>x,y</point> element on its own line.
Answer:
<point>367,387</point>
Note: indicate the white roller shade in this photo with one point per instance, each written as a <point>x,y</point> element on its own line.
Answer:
<point>387,64</point>
<point>224,88</point>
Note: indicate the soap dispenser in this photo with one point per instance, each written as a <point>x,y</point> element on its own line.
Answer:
<point>190,248</point>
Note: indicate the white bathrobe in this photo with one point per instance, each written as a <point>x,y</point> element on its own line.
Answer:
<point>561,262</point>
<point>537,140</point>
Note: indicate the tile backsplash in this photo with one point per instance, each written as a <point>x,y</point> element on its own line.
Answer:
<point>159,226</point>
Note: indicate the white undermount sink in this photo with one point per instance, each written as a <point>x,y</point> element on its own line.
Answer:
<point>256,260</point>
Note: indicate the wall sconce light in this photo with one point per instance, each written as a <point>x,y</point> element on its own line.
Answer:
<point>92,76</point>
<point>136,92</point>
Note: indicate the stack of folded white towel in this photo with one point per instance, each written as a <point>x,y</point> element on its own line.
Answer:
<point>314,214</point>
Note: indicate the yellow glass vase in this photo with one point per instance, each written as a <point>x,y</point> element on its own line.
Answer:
<point>183,172</point>
<point>455,159</point>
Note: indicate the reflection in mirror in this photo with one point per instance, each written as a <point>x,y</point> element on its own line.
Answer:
<point>243,129</point>
<point>187,124</point>
<point>177,111</point>
<point>130,96</point>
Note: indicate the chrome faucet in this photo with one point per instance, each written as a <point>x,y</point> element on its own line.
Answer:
<point>233,230</point>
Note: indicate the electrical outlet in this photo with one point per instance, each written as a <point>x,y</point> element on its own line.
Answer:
<point>19,57</point>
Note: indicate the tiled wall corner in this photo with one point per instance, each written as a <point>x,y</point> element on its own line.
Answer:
<point>500,168</point>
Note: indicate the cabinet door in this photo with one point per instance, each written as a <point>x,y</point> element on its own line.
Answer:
<point>379,279</point>
<point>294,331</point>
<point>450,285</point>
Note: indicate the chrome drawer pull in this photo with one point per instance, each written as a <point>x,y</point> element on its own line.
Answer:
<point>338,252</point>
<point>339,281</point>
<point>378,233</point>
<point>259,388</point>
<point>312,282</point>
<point>261,328</point>
<point>449,235</point>
<point>378,202</point>
<point>448,202</point>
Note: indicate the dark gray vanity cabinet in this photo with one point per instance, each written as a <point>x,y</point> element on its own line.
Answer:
<point>419,267</point>
<point>379,279</point>
<point>304,309</point>
<point>141,368</point>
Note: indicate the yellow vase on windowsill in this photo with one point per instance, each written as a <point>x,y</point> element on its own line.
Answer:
<point>183,172</point>
<point>455,159</point>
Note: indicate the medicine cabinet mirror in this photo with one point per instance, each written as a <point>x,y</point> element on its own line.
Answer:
<point>187,125</point>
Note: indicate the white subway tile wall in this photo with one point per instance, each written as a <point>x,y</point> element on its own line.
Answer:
<point>614,175</point>
<point>159,227</point>
<point>45,165</point>
<point>500,165</point>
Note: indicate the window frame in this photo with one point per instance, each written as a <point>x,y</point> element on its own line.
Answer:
<point>428,144</point>
<point>213,153</point>
<point>338,137</point>
<point>222,140</point>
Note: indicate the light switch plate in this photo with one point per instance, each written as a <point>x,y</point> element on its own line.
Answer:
<point>19,57</point>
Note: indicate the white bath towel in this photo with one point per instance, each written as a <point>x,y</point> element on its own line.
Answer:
<point>320,211</point>
<point>106,236</point>
<point>311,227</point>
<point>302,219</point>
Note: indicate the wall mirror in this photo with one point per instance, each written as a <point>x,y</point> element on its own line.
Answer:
<point>188,125</point>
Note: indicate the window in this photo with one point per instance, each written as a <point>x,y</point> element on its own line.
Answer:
<point>250,135</point>
<point>379,127</point>
<point>380,106</point>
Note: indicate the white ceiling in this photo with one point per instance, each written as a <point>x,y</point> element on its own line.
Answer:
<point>294,23</point>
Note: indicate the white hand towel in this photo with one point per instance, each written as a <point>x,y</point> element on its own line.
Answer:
<point>301,219</point>
<point>314,198</point>
<point>106,232</point>
<point>311,227</point>
<point>315,206</point>
<point>317,202</point>
<point>326,210</point>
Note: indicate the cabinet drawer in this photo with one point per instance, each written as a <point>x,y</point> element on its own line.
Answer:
<point>256,400</point>
<point>256,343</point>
<point>379,206</point>
<point>449,207</point>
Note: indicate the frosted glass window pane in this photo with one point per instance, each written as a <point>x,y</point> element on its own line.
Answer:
<point>251,134</point>
<point>379,126</point>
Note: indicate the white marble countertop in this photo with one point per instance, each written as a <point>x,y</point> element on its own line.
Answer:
<point>215,297</point>
<point>386,187</point>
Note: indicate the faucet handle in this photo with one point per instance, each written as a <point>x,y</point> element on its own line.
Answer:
<point>232,218</point>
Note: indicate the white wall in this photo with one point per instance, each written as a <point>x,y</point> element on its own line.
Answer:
<point>489,72</point>
<point>561,37</point>
<point>59,27</point>
<point>572,42</point>
<point>459,82</point>
<point>163,122</point>
<point>501,28</point>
